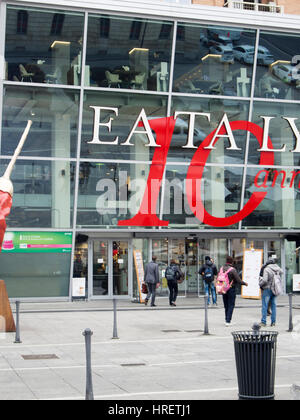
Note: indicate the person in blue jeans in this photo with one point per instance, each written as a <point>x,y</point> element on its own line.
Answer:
<point>267,294</point>
<point>208,272</point>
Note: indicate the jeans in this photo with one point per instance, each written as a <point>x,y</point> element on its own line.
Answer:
<point>173,289</point>
<point>229,302</point>
<point>151,292</point>
<point>268,296</point>
<point>210,287</point>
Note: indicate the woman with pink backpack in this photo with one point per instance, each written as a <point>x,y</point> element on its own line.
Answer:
<point>226,281</point>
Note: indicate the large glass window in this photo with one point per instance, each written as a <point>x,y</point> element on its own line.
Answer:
<point>128,53</point>
<point>277,66</point>
<point>115,125</point>
<point>224,151</point>
<point>54,113</point>
<point>280,207</point>
<point>43,46</point>
<point>43,193</point>
<point>109,192</point>
<point>282,123</point>
<point>219,189</point>
<point>213,60</point>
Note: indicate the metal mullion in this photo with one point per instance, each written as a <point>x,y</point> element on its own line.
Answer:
<point>249,119</point>
<point>78,157</point>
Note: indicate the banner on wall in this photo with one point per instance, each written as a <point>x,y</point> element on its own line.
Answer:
<point>32,242</point>
<point>252,263</point>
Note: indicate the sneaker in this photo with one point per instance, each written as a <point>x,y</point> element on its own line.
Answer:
<point>227,324</point>
<point>262,324</point>
<point>273,324</point>
<point>173,304</point>
<point>146,301</point>
<point>153,304</point>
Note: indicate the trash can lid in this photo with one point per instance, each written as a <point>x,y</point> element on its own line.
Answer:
<point>255,336</point>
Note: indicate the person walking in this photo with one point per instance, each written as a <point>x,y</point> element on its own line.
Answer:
<point>269,283</point>
<point>208,271</point>
<point>230,295</point>
<point>173,274</point>
<point>151,278</point>
<point>261,273</point>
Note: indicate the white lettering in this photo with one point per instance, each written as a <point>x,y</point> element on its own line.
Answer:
<point>291,121</point>
<point>190,143</point>
<point>142,116</point>
<point>97,124</point>
<point>229,134</point>
<point>265,147</point>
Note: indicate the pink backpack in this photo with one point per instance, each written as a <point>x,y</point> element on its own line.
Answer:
<point>222,283</point>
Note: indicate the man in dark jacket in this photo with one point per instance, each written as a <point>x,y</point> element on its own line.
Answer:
<point>229,297</point>
<point>208,271</point>
<point>173,274</point>
<point>151,277</point>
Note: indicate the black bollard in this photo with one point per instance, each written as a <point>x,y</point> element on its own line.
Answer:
<point>17,339</point>
<point>290,312</point>
<point>206,332</point>
<point>115,331</point>
<point>89,395</point>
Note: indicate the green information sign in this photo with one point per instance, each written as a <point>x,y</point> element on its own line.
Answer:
<point>37,242</point>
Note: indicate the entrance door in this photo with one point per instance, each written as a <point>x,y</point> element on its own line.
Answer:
<point>110,274</point>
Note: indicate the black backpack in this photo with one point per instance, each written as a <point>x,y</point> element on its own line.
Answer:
<point>170,273</point>
<point>208,274</point>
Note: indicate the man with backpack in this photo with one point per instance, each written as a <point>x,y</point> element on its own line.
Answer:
<point>173,274</point>
<point>208,271</point>
<point>226,282</point>
<point>271,284</point>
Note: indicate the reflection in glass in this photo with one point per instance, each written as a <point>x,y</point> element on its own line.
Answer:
<point>220,195</point>
<point>281,132</point>
<point>124,53</point>
<point>280,207</point>
<point>54,113</point>
<point>112,192</point>
<point>43,194</point>
<point>100,268</point>
<point>129,106</point>
<point>277,74</point>
<point>208,60</point>
<point>47,47</point>
<point>120,267</point>
<point>235,111</point>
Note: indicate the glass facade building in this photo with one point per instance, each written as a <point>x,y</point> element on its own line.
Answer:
<point>103,88</point>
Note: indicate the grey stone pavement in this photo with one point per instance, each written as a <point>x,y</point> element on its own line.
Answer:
<point>161,353</point>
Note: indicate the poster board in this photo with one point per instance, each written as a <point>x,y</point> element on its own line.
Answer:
<point>252,262</point>
<point>139,269</point>
<point>296,282</point>
<point>78,288</point>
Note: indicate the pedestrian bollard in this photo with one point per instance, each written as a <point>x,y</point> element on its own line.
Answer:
<point>290,312</point>
<point>115,331</point>
<point>206,316</point>
<point>89,395</point>
<point>17,338</point>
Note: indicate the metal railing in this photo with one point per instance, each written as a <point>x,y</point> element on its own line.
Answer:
<point>258,7</point>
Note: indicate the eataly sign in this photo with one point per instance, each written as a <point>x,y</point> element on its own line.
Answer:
<point>164,128</point>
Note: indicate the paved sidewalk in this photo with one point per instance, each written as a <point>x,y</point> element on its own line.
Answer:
<point>161,353</point>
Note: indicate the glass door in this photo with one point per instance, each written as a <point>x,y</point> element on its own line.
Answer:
<point>110,272</point>
<point>100,268</point>
<point>120,267</point>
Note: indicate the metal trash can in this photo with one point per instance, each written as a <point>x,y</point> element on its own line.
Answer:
<point>255,356</point>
